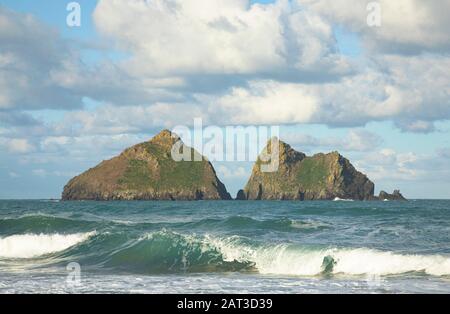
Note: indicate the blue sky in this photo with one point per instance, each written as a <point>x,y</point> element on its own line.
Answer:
<point>379,96</point>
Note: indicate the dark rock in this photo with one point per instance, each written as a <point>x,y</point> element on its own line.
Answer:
<point>396,196</point>
<point>241,196</point>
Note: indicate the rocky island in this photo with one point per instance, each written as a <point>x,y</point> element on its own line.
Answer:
<point>396,196</point>
<point>147,172</point>
<point>319,177</point>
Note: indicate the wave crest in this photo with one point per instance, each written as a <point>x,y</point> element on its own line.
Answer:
<point>170,252</point>
<point>35,245</point>
<point>288,259</point>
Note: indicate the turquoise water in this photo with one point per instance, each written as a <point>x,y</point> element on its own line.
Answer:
<point>225,247</point>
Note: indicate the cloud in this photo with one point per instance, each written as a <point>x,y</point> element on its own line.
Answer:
<point>267,102</point>
<point>39,69</point>
<point>80,148</point>
<point>108,82</point>
<point>17,119</point>
<point>40,172</point>
<point>407,26</point>
<point>389,165</point>
<point>361,140</point>
<point>30,52</point>
<point>17,145</point>
<point>234,63</point>
<point>13,175</point>
<point>413,92</point>
<point>444,152</point>
<point>417,126</point>
<point>237,173</point>
<point>357,140</point>
<point>45,173</point>
<point>116,120</point>
<point>185,38</point>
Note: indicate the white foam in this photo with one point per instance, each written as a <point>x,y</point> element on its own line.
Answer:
<point>34,245</point>
<point>337,199</point>
<point>286,259</point>
<point>372,262</point>
<point>308,224</point>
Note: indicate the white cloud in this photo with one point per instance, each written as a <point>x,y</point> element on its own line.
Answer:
<point>86,146</point>
<point>407,26</point>
<point>40,172</point>
<point>413,92</point>
<point>227,173</point>
<point>114,120</point>
<point>268,102</point>
<point>17,145</point>
<point>29,52</point>
<point>357,140</point>
<point>173,44</point>
<point>361,140</point>
<point>390,165</point>
<point>185,37</point>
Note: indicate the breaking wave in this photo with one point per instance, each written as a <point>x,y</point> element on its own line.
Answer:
<point>286,259</point>
<point>144,247</point>
<point>170,252</point>
<point>35,245</point>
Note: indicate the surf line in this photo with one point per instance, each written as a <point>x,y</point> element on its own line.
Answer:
<point>194,305</point>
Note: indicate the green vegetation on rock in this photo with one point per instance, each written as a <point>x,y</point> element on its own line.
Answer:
<point>147,171</point>
<point>313,172</point>
<point>299,177</point>
<point>137,175</point>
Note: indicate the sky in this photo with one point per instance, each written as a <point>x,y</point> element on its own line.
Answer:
<point>370,82</point>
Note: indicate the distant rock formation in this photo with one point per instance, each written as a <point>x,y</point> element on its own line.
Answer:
<point>241,196</point>
<point>299,177</point>
<point>396,196</point>
<point>147,172</point>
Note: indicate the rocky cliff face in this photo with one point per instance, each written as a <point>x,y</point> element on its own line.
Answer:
<point>299,177</point>
<point>147,172</point>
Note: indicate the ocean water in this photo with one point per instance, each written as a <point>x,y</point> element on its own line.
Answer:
<point>225,247</point>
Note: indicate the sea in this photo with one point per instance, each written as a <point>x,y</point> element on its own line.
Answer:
<point>344,247</point>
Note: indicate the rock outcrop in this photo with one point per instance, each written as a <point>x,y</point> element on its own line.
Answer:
<point>396,196</point>
<point>299,177</point>
<point>147,171</point>
<point>241,196</point>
